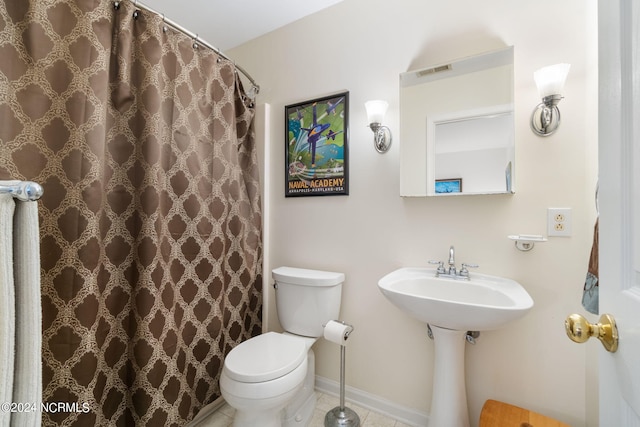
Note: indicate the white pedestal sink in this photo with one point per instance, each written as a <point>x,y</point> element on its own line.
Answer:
<point>452,307</point>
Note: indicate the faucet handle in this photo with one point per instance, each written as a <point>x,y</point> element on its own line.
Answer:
<point>464,272</point>
<point>440,264</point>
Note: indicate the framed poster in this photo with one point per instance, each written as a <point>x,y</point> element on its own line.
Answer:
<point>449,185</point>
<point>316,147</point>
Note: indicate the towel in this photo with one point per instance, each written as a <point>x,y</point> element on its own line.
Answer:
<point>27,382</point>
<point>21,317</point>
<point>590,289</point>
<point>7,304</point>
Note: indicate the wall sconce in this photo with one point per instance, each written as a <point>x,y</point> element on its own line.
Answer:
<point>381,134</point>
<point>550,81</point>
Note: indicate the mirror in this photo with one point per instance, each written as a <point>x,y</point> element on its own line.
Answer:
<point>457,127</point>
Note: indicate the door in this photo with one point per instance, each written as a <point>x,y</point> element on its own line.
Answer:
<point>619,203</point>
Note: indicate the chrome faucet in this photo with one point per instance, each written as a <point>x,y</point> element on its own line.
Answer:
<point>452,262</point>
<point>452,272</point>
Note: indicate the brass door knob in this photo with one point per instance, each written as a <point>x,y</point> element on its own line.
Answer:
<point>580,330</point>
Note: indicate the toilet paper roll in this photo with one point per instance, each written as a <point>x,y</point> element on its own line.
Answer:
<point>337,332</point>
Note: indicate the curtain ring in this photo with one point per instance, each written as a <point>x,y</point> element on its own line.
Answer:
<point>165,28</point>
<point>116,5</point>
<point>195,42</point>
<point>136,14</point>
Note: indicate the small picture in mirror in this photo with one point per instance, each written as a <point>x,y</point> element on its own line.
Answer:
<point>453,185</point>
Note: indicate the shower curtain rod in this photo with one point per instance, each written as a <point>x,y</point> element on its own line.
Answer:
<point>196,39</point>
<point>27,191</point>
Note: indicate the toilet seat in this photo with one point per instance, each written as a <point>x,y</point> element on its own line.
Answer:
<point>265,358</point>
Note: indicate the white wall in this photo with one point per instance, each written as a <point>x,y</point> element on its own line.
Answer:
<point>362,46</point>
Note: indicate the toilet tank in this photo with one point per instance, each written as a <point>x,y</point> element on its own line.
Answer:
<point>307,299</point>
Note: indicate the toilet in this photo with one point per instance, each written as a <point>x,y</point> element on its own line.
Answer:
<point>269,379</point>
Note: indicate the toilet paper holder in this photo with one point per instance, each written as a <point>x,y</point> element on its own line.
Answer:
<point>341,416</point>
<point>347,332</point>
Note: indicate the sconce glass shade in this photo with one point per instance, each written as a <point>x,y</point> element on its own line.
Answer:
<point>550,80</point>
<point>376,110</point>
<point>375,115</point>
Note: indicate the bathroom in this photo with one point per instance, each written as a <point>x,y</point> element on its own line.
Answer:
<point>373,230</point>
<point>530,363</point>
<point>362,46</point>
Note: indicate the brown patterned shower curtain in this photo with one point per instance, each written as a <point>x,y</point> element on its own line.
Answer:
<point>150,222</point>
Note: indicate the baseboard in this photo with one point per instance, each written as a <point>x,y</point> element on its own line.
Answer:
<point>372,402</point>
<point>206,412</point>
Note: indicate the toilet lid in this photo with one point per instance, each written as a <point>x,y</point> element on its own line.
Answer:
<point>265,357</point>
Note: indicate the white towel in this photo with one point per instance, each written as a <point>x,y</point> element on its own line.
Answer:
<point>27,381</point>
<point>7,304</point>
<point>21,328</point>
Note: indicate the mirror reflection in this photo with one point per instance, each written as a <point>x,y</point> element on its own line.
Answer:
<point>457,131</point>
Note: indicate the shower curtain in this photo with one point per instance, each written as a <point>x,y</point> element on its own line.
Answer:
<point>150,222</point>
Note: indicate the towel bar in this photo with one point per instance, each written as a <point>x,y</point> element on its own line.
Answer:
<point>23,190</point>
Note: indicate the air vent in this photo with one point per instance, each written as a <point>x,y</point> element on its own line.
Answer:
<point>434,70</point>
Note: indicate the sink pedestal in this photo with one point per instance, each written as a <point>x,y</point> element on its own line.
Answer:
<point>449,399</point>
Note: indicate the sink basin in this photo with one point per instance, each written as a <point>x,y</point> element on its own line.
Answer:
<point>452,307</point>
<point>482,303</point>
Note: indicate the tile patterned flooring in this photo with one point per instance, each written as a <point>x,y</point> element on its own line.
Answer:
<point>224,416</point>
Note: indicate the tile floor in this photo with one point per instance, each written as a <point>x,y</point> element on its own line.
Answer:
<point>224,416</point>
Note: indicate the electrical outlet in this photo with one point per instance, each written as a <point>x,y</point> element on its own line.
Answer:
<point>559,222</point>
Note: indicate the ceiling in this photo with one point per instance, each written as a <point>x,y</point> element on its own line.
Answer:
<point>226,24</point>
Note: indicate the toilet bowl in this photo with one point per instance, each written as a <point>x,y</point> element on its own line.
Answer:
<point>262,375</point>
<point>269,379</point>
